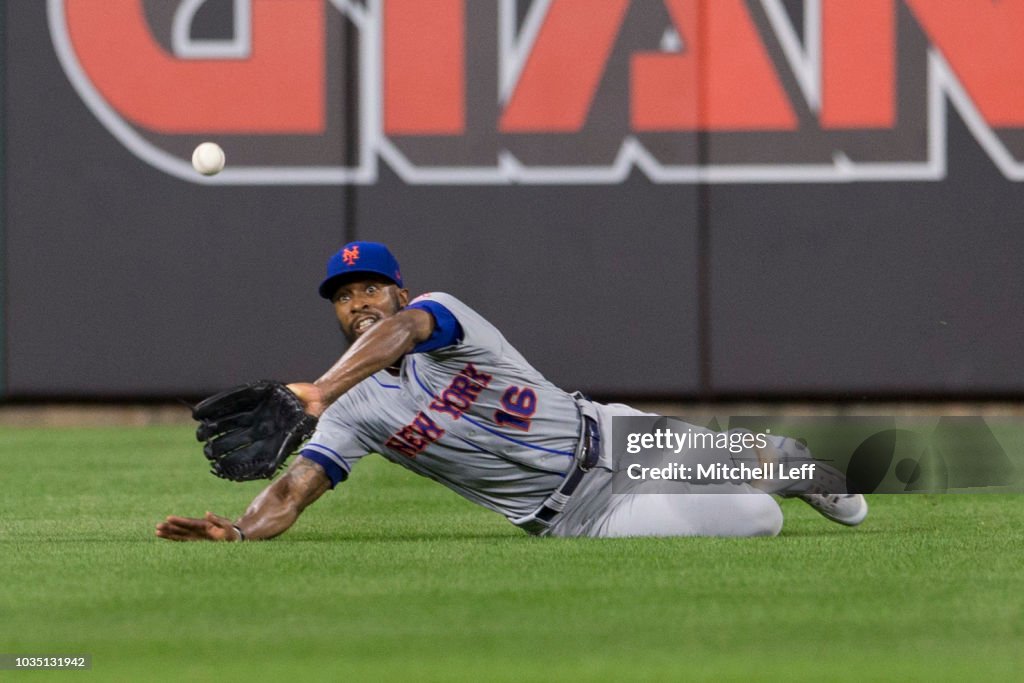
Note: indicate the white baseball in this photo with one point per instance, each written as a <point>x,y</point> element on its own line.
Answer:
<point>208,158</point>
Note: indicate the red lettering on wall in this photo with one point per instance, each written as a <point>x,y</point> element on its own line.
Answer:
<point>565,67</point>
<point>858,64</point>
<point>982,41</point>
<point>279,88</point>
<point>424,67</point>
<point>723,81</point>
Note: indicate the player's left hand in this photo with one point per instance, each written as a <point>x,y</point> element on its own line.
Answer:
<point>250,430</point>
<point>210,528</point>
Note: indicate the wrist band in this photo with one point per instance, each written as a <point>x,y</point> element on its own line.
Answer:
<point>241,534</point>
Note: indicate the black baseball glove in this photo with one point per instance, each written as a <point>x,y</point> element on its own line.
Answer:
<point>252,429</point>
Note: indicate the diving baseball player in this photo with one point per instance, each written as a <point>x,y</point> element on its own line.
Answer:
<point>432,386</point>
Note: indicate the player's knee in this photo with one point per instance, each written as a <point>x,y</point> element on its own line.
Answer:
<point>765,515</point>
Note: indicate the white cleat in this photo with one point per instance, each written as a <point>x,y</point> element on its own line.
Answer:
<point>846,508</point>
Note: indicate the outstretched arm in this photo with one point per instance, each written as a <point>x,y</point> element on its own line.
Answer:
<point>270,514</point>
<point>381,347</point>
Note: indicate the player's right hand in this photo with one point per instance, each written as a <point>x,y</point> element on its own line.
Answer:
<point>210,528</point>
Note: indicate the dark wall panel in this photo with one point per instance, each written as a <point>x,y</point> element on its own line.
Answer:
<point>3,200</point>
<point>125,281</point>
<point>902,289</point>
<point>595,286</point>
<point>763,278</point>
<point>128,282</point>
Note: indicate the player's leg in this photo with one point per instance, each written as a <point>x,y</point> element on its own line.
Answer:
<point>698,514</point>
<point>598,510</point>
<point>642,508</point>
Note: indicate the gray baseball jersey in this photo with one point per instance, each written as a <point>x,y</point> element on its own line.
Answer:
<point>470,412</point>
<point>474,416</point>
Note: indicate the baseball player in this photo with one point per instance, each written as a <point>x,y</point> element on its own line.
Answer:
<point>432,386</point>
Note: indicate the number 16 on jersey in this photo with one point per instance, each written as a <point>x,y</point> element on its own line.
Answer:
<point>518,406</point>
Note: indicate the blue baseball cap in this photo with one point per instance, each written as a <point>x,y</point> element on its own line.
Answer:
<point>360,257</point>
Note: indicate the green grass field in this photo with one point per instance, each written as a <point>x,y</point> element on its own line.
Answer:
<point>392,577</point>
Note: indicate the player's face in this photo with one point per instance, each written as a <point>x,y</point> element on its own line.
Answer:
<point>361,304</point>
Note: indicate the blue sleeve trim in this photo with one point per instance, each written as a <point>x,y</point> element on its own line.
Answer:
<point>335,472</point>
<point>447,330</point>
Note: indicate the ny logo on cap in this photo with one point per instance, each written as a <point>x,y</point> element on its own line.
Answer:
<point>350,255</point>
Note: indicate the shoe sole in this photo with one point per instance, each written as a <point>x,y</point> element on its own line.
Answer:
<point>856,519</point>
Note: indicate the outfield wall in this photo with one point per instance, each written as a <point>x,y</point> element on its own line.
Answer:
<point>686,199</point>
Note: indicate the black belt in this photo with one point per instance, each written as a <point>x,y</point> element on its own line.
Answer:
<point>586,457</point>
